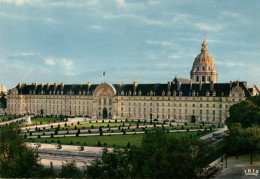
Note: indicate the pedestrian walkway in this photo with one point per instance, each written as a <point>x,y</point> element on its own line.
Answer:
<point>14,120</point>
<point>219,130</point>
<point>235,167</point>
<point>49,154</point>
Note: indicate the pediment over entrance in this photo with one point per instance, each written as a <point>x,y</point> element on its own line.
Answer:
<point>104,90</point>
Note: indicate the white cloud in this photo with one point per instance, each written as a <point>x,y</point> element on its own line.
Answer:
<point>165,43</point>
<point>96,27</point>
<point>208,27</point>
<point>20,2</point>
<point>68,67</point>
<point>174,56</point>
<point>230,14</point>
<point>121,2</point>
<point>49,61</point>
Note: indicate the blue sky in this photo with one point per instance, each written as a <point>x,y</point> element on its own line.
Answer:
<point>143,41</point>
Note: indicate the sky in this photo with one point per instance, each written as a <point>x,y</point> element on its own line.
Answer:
<point>144,41</point>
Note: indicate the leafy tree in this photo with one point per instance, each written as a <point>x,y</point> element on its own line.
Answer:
<point>156,158</point>
<point>3,99</point>
<point>70,170</point>
<point>16,159</point>
<point>245,112</point>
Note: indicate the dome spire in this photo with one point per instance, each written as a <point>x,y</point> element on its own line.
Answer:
<point>204,48</point>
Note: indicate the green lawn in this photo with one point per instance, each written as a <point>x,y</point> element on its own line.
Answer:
<point>7,118</point>
<point>114,140</point>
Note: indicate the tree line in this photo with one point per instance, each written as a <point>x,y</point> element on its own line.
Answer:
<point>244,127</point>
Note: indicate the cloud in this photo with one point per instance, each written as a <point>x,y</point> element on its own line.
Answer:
<point>174,56</point>
<point>20,2</point>
<point>96,27</point>
<point>208,27</point>
<point>68,67</point>
<point>121,2</point>
<point>230,14</point>
<point>49,61</point>
<point>165,43</point>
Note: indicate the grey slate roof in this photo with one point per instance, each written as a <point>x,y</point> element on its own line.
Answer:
<point>221,89</point>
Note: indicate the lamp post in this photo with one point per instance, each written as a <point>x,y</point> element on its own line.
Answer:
<point>226,148</point>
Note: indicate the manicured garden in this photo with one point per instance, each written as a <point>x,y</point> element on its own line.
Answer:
<point>5,118</point>
<point>109,141</point>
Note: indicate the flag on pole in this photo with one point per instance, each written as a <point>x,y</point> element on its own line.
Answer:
<point>103,74</point>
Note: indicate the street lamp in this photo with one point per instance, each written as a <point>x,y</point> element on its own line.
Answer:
<point>226,147</point>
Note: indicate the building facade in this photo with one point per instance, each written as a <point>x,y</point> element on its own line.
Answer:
<point>179,100</point>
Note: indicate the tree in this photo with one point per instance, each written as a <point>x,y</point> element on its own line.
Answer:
<point>3,99</point>
<point>252,136</point>
<point>70,170</point>
<point>236,140</point>
<point>159,156</point>
<point>16,159</point>
<point>245,112</point>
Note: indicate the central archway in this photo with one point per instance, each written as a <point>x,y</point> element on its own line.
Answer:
<point>104,113</point>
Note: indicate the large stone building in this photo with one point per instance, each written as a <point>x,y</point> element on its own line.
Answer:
<point>180,100</point>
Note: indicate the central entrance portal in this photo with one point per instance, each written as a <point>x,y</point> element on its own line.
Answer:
<point>104,113</point>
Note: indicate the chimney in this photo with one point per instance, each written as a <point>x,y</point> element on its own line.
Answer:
<point>237,83</point>
<point>62,86</point>
<point>190,84</point>
<point>80,85</point>
<point>89,84</point>
<point>20,85</point>
<point>178,86</point>
<point>169,85</point>
<point>200,85</point>
<point>230,84</point>
<point>211,85</point>
<point>42,86</point>
<point>135,86</point>
<point>48,86</point>
<point>55,86</point>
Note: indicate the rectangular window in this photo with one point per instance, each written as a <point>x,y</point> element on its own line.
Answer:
<point>105,101</point>
<point>197,78</point>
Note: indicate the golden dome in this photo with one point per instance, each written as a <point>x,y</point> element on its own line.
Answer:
<point>204,58</point>
<point>203,69</point>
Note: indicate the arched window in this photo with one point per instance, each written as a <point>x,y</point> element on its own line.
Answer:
<point>203,78</point>
<point>203,68</point>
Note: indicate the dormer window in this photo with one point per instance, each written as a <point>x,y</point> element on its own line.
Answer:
<point>151,92</point>
<point>129,93</point>
<point>139,93</point>
<point>207,93</point>
<point>122,93</point>
<point>163,93</point>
